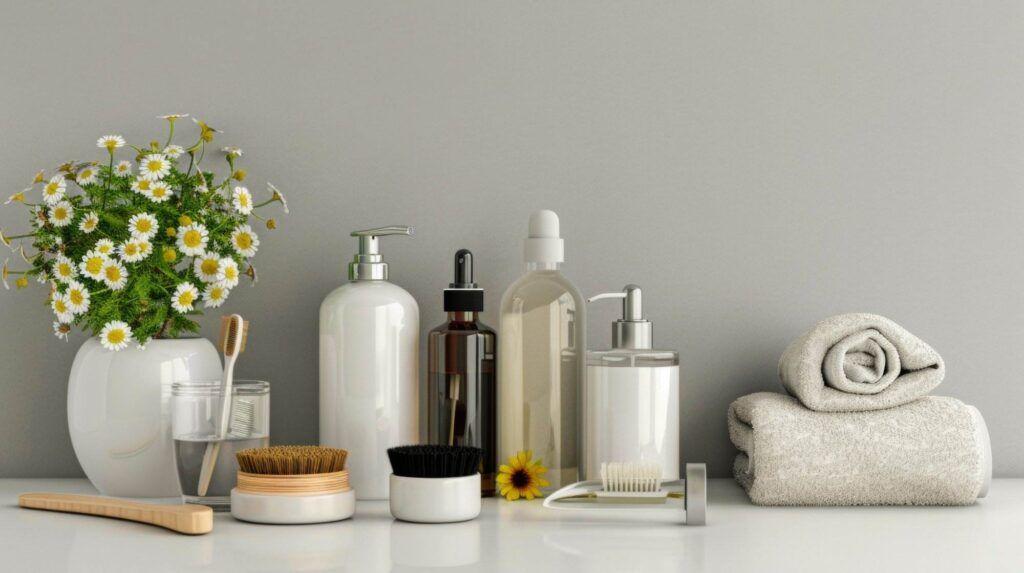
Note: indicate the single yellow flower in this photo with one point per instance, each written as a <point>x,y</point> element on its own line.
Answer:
<point>271,224</point>
<point>184,220</point>
<point>522,477</point>
<point>22,282</point>
<point>171,232</point>
<point>170,255</point>
<point>238,175</point>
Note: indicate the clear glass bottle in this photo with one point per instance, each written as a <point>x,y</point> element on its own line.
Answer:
<point>461,385</point>
<point>541,341</point>
<point>631,405</point>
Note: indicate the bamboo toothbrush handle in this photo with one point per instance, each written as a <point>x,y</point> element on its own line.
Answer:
<point>189,519</point>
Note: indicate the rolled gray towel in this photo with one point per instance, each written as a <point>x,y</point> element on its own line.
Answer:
<point>934,451</point>
<point>858,362</point>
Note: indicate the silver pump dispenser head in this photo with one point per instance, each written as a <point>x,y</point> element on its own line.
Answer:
<point>632,331</point>
<point>368,264</point>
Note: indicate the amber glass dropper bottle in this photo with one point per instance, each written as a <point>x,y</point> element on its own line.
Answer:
<point>461,391</point>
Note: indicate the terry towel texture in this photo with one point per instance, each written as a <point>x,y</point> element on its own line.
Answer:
<point>858,362</point>
<point>933,451</point>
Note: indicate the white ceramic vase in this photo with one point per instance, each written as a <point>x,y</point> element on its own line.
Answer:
<point>119,412</point>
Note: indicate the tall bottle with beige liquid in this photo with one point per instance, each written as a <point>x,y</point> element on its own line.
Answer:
<point>541,347</point>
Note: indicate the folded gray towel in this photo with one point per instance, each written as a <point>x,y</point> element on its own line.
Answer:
<point>858,362</point>
<point>933,451</point>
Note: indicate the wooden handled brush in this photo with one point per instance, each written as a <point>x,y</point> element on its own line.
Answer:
<point>189,519</point>
<point>233,332</point>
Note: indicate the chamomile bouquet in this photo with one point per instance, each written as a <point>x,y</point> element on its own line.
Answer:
<point>132,244</point>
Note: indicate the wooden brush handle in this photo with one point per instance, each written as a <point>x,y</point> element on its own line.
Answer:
<point>189,519</point>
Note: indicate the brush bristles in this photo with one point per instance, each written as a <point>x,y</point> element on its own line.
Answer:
<point>291,460</point>
<point>230,338</point>
<point>435,461</point>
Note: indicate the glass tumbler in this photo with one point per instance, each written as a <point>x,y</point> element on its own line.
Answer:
<point>204,455</point>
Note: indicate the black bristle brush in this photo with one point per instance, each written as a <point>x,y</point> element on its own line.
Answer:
<point>435,461</point>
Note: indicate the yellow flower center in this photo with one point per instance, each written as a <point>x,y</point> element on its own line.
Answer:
<point>51,189</point>
<point>170,255</point>
<point>113,273</point>
<point>154,165</point>
<point>243,240</point>
<point>60,213</point>
<point>76,297</point>
<point>116,336</point>
<point>144,185</point>
<point>121,168</point>
<point>86,173</point>
<point>192,238</point>
<point>186,298</point>
<point>184,220</point>
<point>144,248</point>
<point>19,196</point>
<point>243,200</point>
<point>111,144</point>
<point>93,265</point>
<point>210,266</point>
<point>230,273</point>
<point>216,293</point>
<point>105,248</point>
<point>59,306</point>
<point>90,224</point>
<point>143,225</point>
<point>159,191</point>
<point>64,269</point>
<point>131,249</point>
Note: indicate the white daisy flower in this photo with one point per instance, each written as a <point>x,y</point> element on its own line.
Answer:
<point>229,272</point>
<point>159,191</point>
<point>184,297</point>
<point>88,174</point>
<point>54,190</point>
<point>172,116</point>
<point>154,167</point>
<point>105,247</point>
<point>174,151</point>
<point>115,275</point>
<point>242,200</point>
<point>59,304</point>
<point>276,195</point>
<point>89,222</point>
<point>143,226</point>
<point>123,168</point>
<point>232,151</point>
<point>64,269</point>
<point>110,142</point>
<point>145,247</point>
<point>142,186</point>
<point>131,251</point>
<point>61,330</point>
<point>244,241</point>
<point>77,297</point>
<point>5,272</point>
<point>61,214</point>
<point>18,197</point>
<point>215,295</point>
<point>207,268</point>
<point>92,264</point>
<point>115,335</point>
<point>192,239</point>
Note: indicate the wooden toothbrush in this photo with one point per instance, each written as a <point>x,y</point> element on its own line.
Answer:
<point>188,519</point>
<point>233,332</point>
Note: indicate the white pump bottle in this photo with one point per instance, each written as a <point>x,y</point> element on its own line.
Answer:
<point>369,367</point>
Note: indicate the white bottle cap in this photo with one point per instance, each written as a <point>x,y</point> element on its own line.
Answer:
<point>544,244</point>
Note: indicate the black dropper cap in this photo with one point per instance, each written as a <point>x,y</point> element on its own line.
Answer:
<point>463,295</point>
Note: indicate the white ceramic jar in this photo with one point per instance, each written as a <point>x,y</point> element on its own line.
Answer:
<point>119,412</point>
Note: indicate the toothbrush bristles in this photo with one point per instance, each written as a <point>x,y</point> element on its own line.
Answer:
<point>630,477</point>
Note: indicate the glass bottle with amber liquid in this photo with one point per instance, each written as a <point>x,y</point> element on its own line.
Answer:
<point>461,381</point>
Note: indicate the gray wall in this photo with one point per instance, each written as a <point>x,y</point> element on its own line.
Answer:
<point>755,166</point>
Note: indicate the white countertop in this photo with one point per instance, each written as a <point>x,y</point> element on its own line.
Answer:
<point>524,537</point>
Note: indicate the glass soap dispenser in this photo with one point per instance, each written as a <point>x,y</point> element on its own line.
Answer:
<point>631,396</point>
<point>461,391</point>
